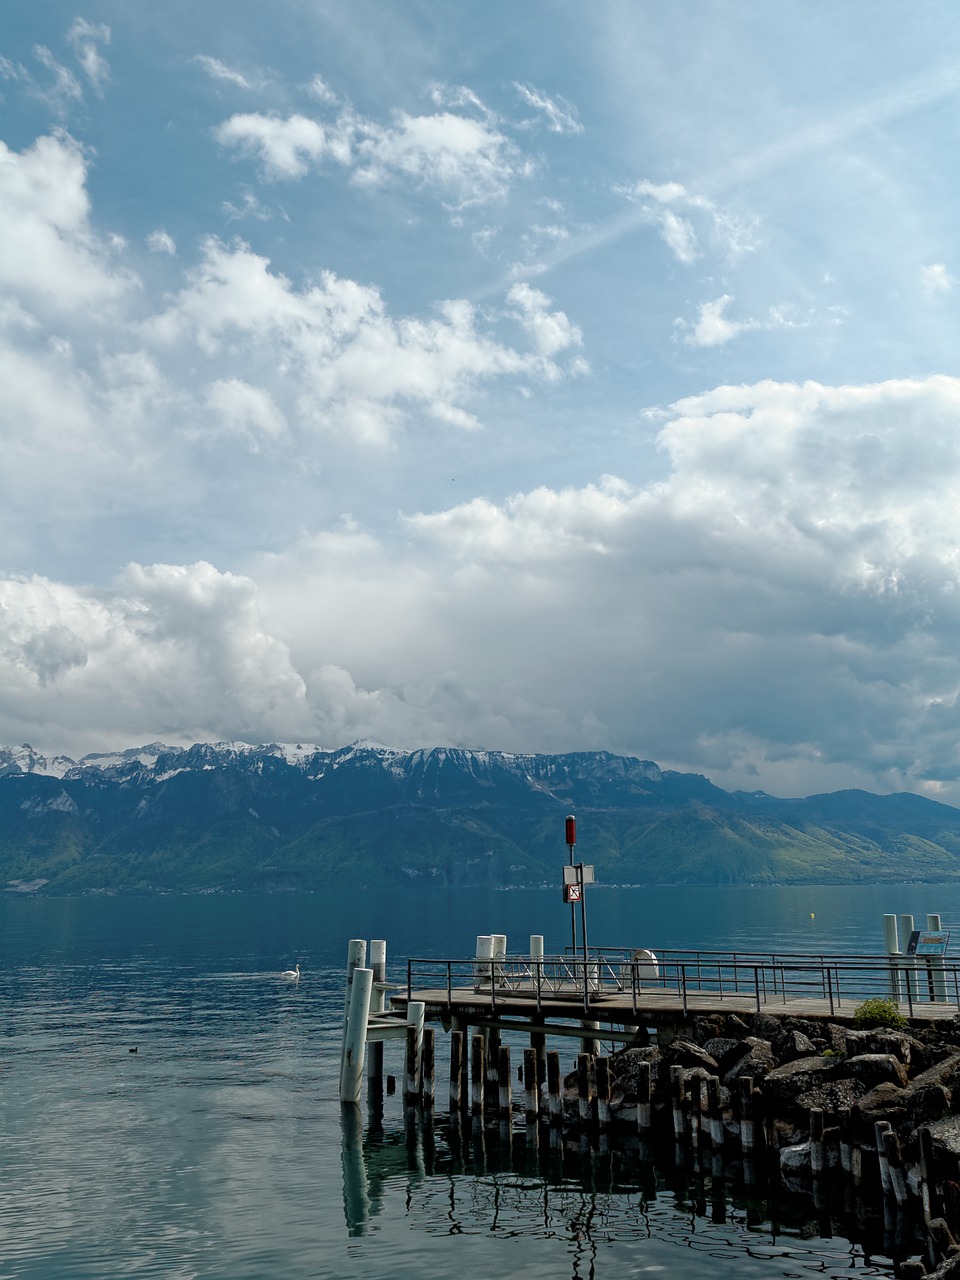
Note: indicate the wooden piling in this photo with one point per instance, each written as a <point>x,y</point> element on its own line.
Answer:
<point>714,1113</point>
<point>493,1066</point>
<point>355,1035</point>
<point>427,1085</point>
<point>456,1070</point>
<point>894,1156</point>
<point>554,1089</point>
<point>644,1111</point>
<point>816,1142</point>
<point>477,1076</point>
<point>411,1073</point>
<point>678,1094</point>
<point>747,1128</point>
<point>378,963</point>
<point>603,1094</point>
<point>504,1082</point>
<point>583,1088</point>
<point>531,1090</point>
<point>927,1185</point>
<point>879,1129</point>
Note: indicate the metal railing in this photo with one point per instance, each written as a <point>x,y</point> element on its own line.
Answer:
<point>838,983</point>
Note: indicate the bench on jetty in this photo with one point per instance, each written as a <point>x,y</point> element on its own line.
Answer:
<point>615,994</point>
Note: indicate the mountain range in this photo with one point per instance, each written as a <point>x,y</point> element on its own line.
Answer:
<point>233,817</point>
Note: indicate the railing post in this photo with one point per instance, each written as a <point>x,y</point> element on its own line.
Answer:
<point>683,987</point>
<point>830,988</point>
<point>756,986</point>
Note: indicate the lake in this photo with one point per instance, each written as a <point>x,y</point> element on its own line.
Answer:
<point>216,1149</point>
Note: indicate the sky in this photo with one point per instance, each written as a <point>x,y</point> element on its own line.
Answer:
<point>524,377</point>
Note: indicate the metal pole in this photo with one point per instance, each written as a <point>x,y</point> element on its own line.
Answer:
<point>570,824</point>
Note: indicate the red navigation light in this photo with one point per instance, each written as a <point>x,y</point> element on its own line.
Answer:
<point>571,829</point>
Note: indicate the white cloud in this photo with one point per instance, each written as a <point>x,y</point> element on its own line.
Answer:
<point>346,364</point>
<point>218,70</point>
<point>321,91</point>
<point>65,88</point>
<point>172,647</point>
<point>782,607</point>
<point>551,331</point>
<point>714,327</point>
<point>658,205</point>
<point>562,116</point>
<point>286,148</point>
<point>160,241</point>
<point>86,39</point>
<point>936,280</point>
<point>47,247</point>
<point>463,160</point>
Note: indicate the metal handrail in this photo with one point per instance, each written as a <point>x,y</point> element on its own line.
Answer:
<point>839,981</point>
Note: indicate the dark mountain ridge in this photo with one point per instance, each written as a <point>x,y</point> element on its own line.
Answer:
<point>230,817</point>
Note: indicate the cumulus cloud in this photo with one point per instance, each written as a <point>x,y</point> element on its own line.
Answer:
<point>464,160</point>
<point>676,212</point>
<point>47,247</point>
<point>167,642</point>
<point>781,609</point>
<point>714,327</point>
<point>286,148</point>
<point>348,364</point>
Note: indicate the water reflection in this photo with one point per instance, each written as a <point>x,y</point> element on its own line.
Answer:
<point>466,1179</point>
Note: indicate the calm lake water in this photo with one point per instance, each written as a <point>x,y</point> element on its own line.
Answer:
<point>218,1149</point>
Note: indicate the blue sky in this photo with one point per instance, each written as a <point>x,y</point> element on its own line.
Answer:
<point>539,377</point>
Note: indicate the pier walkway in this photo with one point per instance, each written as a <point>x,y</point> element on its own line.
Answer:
<point>614,989</point>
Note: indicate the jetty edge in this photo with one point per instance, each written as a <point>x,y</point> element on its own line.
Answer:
<point>739,1057</point>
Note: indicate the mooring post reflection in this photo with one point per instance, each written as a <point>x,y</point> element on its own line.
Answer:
<point>466,1178</point>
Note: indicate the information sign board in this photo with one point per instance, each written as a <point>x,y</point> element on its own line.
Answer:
<point>928,942</point>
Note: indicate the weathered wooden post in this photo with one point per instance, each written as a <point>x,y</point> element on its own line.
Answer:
<point>894,1156</point>
<point>477,1076</point>
<point>531,1090</point>
<point>584,1061</point>
<point>456,1071</point>
<point>714,1113</point>
<point>879,1129</point>
<point>603,1094</point>
<point>355,1035</point>
<point>644,1115</point>
<point>554,1089</point>
<point>416,1011</point>
<point>816,1142</point>
<point>426,1069</point>
<point>378,1001</point>
<point>748,1138</point>
<point>356,959</point>
<point>505,1083</point>
<point>927,1188</point>
<point>677,1099</point>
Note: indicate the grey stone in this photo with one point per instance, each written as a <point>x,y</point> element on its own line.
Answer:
<point>872,1069</point>
<point>791,1045</point>
<point>898,1043</point>
<point>784,1085</point>
<point>832,1095</point>
<point>684,1053</point>
<point>757,1062</point>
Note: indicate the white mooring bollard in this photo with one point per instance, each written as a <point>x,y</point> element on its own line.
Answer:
<point>355,1037</point>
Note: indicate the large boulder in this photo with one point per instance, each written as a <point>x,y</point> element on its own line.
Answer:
<point>872,1069</point>
<point>784,1085</point>
<point>793,1044</point>
<point>625,1069</point>
<point>686,1054</point>
<point>756,1063</point>
<point>905,1048</point>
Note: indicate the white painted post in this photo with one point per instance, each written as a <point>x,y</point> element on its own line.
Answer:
<point>935,963</point>
<point>355,1039</point>
<point>356,959</point>
<point>483,967</point>
<point>909,963</point>
<point>415,1019</point>
<point>891,945</point>
<point>500,954</point>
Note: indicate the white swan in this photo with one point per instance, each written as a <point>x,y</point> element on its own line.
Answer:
<point>292,973</point>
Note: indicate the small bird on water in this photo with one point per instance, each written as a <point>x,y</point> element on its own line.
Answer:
<point>292,973</point>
